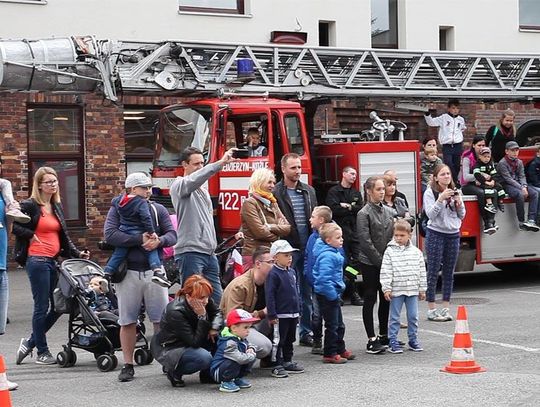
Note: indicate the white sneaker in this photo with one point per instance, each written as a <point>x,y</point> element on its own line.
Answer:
<point>445,315</point>
<point>531,226</point>
<point>433,314</point>
<point>16,215</point>
<point>12,385</point>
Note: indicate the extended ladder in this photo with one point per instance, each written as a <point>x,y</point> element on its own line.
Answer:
<point>193,68</point>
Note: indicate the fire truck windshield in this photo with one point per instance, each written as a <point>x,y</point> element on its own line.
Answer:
<point>180,128</point>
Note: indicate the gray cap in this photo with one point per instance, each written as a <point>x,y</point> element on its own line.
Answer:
<point>138,179</point>
<point>511,145</point>
<point>281,246</point>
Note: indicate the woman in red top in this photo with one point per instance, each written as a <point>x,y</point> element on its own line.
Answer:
<point>38,244</point>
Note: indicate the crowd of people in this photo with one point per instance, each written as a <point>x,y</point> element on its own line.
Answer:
<point>299,257</point>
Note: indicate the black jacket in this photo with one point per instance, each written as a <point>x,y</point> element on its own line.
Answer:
<point>375,225</point>
<point>181,328</point>
<point>25,232</point>
<point>285,204</point>
<point>496,140</point>
<point>346,218</point>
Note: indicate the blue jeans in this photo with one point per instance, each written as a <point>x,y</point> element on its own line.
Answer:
<point>411,305</point>
<point>517,195</point>
<point>316,319</point>
<point>305,294</point>
<point>4,300</point>
<point>452,158</point>
<point>193,360</point>
<point>334,329</point>
<point>43,275</point>
<point>229,370</point>
<point>197,263</point>
<point>120,253</point>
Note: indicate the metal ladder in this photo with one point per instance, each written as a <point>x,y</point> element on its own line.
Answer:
<point>303,72</point>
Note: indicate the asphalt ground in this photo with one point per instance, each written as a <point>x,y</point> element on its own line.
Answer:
<point>503,310</point>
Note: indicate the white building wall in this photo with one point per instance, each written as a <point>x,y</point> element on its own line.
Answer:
<point>160,20</point>
<point>479,25</point>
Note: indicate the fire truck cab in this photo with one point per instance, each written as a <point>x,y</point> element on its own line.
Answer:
<point>215,125</point>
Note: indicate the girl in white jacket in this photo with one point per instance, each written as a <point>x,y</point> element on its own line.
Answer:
<point>403,281</point>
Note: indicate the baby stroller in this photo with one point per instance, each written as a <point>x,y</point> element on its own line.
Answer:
<point>99,335</point>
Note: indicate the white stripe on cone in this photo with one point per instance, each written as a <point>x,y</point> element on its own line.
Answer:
<point>462,354</point>
<point>462,326</point>
<point>3,382</point>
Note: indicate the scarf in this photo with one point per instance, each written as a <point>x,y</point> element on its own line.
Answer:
<point>267,198</point>
<point>508,133</point>
<point>513,163</point>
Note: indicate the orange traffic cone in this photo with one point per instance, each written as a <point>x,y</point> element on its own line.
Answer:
<point>462,359</point>
<point>5,399</point>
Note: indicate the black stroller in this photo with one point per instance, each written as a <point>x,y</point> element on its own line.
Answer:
<point>99,335</point>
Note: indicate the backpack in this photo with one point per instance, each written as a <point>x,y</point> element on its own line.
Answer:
<point>423,218</point>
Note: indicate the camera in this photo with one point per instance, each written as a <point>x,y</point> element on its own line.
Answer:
<point>456,192</point>
<point>240,153</point>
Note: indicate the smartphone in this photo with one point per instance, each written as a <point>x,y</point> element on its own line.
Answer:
<point>240,153</point>
<point>456,192</point>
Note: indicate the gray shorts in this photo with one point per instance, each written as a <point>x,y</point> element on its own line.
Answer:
<point>135,287</point>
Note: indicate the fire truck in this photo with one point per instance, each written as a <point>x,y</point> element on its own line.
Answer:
<point>276,89</point>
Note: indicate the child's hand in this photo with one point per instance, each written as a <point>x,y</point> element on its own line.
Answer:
<point>273,321</point>
<point>239,236</point>
<point>388,295</point>
<point>251,351</point>
<point>422,296</point>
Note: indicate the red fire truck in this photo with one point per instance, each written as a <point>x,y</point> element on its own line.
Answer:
<point>217,124</point>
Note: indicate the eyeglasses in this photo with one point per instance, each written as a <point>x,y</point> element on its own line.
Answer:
<point>50,183</point>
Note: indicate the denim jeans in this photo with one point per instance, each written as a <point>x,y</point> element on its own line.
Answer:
<point>316,319</point>
<point>43,275</point>
<point>120,253</point>
<point>452,158</point>
<point>334,329</point>
<point>4,300</point>
<point>517,195</point>
<point>305,294</point>
<point>197,263</point>
<point>411,305</point>
<point>193,360</point>
<point>229,370</point>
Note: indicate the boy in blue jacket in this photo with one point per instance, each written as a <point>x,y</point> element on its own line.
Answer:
<point>320,215</point>
<point>328,286</point>
<point>234,355</point>
<point>283,307</point>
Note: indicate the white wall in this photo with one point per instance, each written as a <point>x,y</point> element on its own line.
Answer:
<point>160,20</point>
<point>479,25</point>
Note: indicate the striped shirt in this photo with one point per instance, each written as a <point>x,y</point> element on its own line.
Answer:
<point>299,212</point>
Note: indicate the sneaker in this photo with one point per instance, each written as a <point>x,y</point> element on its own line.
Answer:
<point>127,373</point>
<point>293,367</point>
<point>501,206</point>
<point>434,315</point>
<point>490,208</point>
<point>489,229</point>
<point>46,359</point>
<point>374,346</point>
<point>522,227</point>
<point>306,340</point>
<point>348,355</point>
<point>23,351</point>
<point>242,383</point>
<point>279,372</point>
<point>16,215</point>
<point>336,359</point>
<point>317,349</point>
<point>445,315</point>
<point>160,278</point>
<point>356,299</point>
<point>415,346</point>
<point>229,387</point>
<point>533,227</point>
<point>12,385</point>
<point>395,348</point>
<point>385,341</point>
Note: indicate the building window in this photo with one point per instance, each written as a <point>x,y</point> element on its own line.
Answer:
<point>529,14</point>
<point>446,38</point>
<point>140,126</point>
<point>384,24</point>
<point>55,139</point>
<point>213,6</point>
<point>327,33</point>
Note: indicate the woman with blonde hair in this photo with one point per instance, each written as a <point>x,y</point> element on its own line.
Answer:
<point>38,244</point>
<point>497,136</point>
<point>262,220</point>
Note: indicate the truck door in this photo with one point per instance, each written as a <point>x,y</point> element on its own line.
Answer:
<point>233,179</point>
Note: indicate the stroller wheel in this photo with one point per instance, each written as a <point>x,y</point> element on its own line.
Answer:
<point>106,363</point>
<point>63,359</point>
<point>72,358</point>
<point>143,357</point>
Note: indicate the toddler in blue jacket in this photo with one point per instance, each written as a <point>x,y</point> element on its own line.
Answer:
<point>234,355</point>
<point>328,285</point>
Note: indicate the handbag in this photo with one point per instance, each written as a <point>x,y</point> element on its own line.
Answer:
<point>120,273</point>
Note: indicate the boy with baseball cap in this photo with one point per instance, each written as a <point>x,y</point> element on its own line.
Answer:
<point>234,355</point>
<point>283,307</point>
<point>512,172</point>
